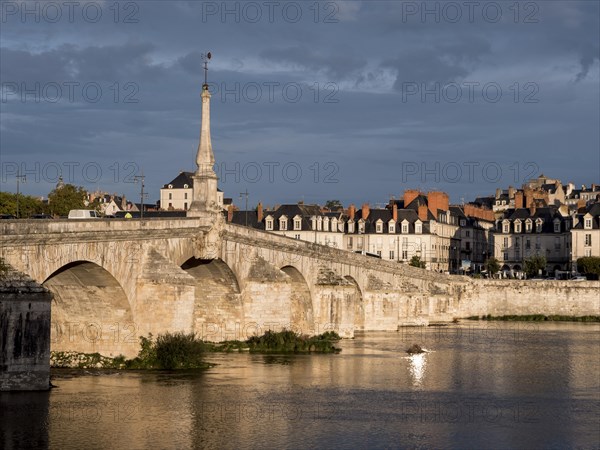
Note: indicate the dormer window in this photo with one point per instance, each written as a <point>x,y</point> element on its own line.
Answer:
<point>506,227</point>
<point>418,227</point>
<point>361,226</point>
<point>326,224</point>
<point>392,227</point>
<point>528,225</point>
<point>557,226</point>
<point>185,186</point>
<point>587,224</point>
<point>283,223</point>
<point>351,226</point>
<point>517,226</point>
<point>170,186</point>
<point>319,223</point>
<point>297,223</point>
<point>379,227</point>
<point>334,224</point>
<point>269,224</point>
<point>463,223</point>
<point>538,226</point>
<point>313,223</point>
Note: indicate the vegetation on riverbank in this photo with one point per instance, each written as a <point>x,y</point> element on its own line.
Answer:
<point>176,351</point>
<point>537,318</point>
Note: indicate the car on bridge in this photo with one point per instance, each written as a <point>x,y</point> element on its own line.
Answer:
<point>83,214</point>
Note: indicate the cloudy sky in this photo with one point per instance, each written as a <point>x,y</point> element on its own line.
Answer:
<point>355,101</point>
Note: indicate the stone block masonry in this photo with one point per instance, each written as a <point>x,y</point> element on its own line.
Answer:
<point>24,334</point>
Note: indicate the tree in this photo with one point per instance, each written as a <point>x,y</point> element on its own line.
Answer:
<point>28,205</point>
<point>533,265</point>
<point>415,261</point>
<point>589,266</point>
<point>65,198</point>
<point>333,205</point>
<point>492,265</point>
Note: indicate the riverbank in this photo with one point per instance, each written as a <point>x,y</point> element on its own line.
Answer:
<point>184,351</point>
<point>536,318</point>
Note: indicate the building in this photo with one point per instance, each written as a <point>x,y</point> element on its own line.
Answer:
<point>585,234</point>
<point>475,224</point>
<point>177,194</point>
<point>521,233</point>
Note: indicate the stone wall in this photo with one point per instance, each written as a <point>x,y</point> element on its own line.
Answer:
<point>24,334</point>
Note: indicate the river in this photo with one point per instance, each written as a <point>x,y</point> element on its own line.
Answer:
<point>481,385</point>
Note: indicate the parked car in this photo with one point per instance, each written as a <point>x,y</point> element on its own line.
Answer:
<point>579,278</point>
<point>7,217</point>
<point>83,214</point>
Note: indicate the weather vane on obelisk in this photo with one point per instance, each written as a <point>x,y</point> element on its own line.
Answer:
<point>205,57</point>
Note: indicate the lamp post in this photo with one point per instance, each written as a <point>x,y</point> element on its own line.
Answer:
<point>20,179</point>
<point>141,178</point>
<point>245,194</point>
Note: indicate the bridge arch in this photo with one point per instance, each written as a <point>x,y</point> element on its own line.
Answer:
<point>217,299</point>
<point>301,311</point>
<point>90,311</point>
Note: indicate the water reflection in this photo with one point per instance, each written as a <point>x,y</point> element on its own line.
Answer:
<point>417,364</point>
<point>477,388</point>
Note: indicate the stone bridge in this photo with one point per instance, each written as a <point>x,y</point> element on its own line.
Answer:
<point>114,280</point>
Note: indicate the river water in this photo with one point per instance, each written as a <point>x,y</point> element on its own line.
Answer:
<point>482,385</point>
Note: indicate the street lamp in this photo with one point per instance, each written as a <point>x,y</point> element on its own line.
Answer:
<point>22,179</point>
<point>245,194</point>
<point>141,178</point>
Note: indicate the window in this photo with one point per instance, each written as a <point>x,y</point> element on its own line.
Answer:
<point>361,227</point>
<point>505,256</point>
<point>517,242</point>
<point>557,227</point>
<point>528,226</point>
<point>505,243</point>
<point>351,227</point>
<point>588,252</point>
<point>378,227</point>
<point>517,226</point>
<point>468,233</point>
<point>185,205</point>
<point>269,225</point>
<point>185,195</point>
<point>319,223</point>
<point>538,226</point>
<point>297,236</point>
<point>170,196</point>
<point>392,254</point>
<point>468,245</point>
<point>359,243</point>
<point>418,228</point>
<point>588,240</point>
<point>588,224</point>
<point>463,222</point>
<point>505,227</point>
<point>556,243</point>
<point>538,244</point>
<point>283,224</point>
<point>391,227</point>
<point>350,243</point>
<point>404,228</point>
<point>528,244</point>
<point>297,224</point>
<point>326,224</point>
<point>404,254</point>
<point>185,186</point>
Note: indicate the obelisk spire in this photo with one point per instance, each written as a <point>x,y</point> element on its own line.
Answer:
<point>205,178</point>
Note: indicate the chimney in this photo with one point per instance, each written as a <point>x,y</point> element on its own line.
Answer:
<point>511,192</point>
<point>498,192</point>
<point>532,208</point>
<point>259,212</point>
<point>230,213</point>
<point>423,213</point>
<point>437,200</point>
<point>410,195</point>
<point>519,199</point>
<point>351,211</point>
<point>365,211</point>
<point>395,212</point>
